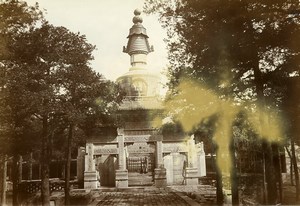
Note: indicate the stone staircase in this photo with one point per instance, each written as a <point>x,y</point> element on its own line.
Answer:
<point>138,179</point>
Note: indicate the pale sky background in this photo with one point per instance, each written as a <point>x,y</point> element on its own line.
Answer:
<point>106,24</point>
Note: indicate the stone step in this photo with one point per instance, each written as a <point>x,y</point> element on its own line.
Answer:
<point>138,179</point>
<point>130,184</point>
<point>139,174</point>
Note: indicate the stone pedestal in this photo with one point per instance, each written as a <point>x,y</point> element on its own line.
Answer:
<point>160,177</point>
<point>191,176</point>
<point>121,178</point>
<point>90,180</point>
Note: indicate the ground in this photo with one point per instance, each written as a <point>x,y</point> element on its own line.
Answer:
<point>142,197</point>
<point>128,196</point>
<point>289,195</point>
<point>173,195</point>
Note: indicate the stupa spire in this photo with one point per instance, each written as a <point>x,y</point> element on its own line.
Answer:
<point>138,46</point>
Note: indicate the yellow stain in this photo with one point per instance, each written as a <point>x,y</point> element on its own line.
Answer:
<point>194,102</point>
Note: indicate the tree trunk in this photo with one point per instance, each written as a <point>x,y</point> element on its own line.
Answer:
<point>233,175</point>
<point>15,182</point>
<point>30,167</point>
<point>294,162</point>
<point>3,182</point>
<point>45,184</point>
<point>266,146</point>
<point>291,166</point>
<point>270,174</point>
<point>20,169</point>
<point>68,165</point>
<point>265,191</point>
<point>45,189</point>
<point>292,172</point>
<point>278,169</point>
<point>219,183</point>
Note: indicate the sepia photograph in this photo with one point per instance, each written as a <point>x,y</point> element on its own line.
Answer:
<point>149,102</point>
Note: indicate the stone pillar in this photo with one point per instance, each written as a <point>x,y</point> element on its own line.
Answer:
<point>121,172</point>
<point>160,173</point>
<point>90,173</point>
<point>80,166</point>
<point>191,171</point>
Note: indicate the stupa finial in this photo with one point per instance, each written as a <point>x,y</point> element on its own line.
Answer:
<point>137,18</point>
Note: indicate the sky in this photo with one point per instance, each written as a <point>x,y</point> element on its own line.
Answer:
<point>106,24</point>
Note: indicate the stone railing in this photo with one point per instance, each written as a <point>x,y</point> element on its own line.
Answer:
<point>34,186</point>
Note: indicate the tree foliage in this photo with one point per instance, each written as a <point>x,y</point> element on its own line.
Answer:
<point>242,51</point>
<point>47,85</point>
<point>257,40</point>
<point>16,18</point>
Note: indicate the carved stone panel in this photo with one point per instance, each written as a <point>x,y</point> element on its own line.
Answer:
<point>142,138</point>
<point>141,147</point>
<point>105,149</point>
<point>174,147</point>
